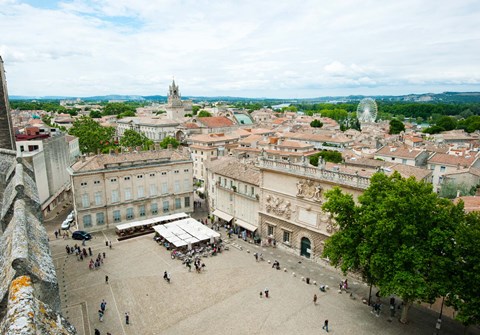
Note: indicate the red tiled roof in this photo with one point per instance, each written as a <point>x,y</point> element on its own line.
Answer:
<point>216,121</point>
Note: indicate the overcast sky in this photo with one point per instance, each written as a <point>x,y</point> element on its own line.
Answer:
<point>278,48</point>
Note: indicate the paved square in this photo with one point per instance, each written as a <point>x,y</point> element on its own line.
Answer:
<point>223,299</point>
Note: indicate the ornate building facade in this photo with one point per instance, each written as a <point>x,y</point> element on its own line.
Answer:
<point>292,194</point>
<point>176,108</point>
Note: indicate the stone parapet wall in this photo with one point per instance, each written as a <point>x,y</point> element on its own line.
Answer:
<point>29,293</point>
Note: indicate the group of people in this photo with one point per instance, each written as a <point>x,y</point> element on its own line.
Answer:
<point>94,265</point>
<point>65,234</point>
<point>79,252</point>
<point>276,265</point>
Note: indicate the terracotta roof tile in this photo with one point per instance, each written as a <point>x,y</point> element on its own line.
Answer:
<point>216,121</point>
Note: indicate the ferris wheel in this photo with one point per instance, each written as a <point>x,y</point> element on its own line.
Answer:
<point>367,110</point>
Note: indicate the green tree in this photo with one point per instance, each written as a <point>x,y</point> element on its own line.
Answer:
<point>465,294</point>
<point>447,123</point>
<point>133,139</point>
<point>169,140</point>
<point>195,109</point>
<point>449,189</point>
<point>328,156</point>
<point>316,124</point>
<point>396,127</point>
<point>400,236</point>
<point>92,137</point>
<point>204,113</point>
<point>94,114</point>
<point>116,108</point>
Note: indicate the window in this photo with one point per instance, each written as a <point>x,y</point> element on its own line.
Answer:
<point>115,196</point>
<point>252,189</point>
<point>286,237</point>
<point>153,190</point>
<point>270,231</point>
<point>231,183</point>
<point>176,186</point>
<point>116,216</point>
<point>165,207</point>
<point>96,182</point>
<point>187,201</point>
<point>113,180</point>
<point>87,220</point>
<point>186,170</point>
<point>84,183</point>
<point>98,198</point>
<point>100,218</point>
<point>85,201</point>
<point>154,208</point>
<point>152,174</point>
<point>140,192</point>
<point>164,188</point>
<point>178,203</point>
<point>442,168</point>
<point>140,176</point>
<point>141,210</point>
<point>404,161</point>
<point>126,178</point>
<point>164,173</point>
<point>176,171</point>
<point>128,193</point>
<point>129,213</point>
<point>246,189</point>
<point>186,184</point>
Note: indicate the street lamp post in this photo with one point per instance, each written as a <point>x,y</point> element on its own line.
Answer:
<point>439,320</point>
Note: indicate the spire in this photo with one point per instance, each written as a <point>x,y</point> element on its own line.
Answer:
<point>7,140</point>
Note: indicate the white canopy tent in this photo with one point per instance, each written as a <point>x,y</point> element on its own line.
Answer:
<point>185,232</point>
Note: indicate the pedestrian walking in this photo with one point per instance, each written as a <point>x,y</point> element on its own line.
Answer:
<point>83,241</point>
<point>90,251</point>
<point>314,299</point>
<point>100,315</point>
<point>104,255</point>
<point>56,234</point>
<point>266,292</point>
<point>103,305</point>
<point>127,318</point>
<point>97,332</point>
<point>110,244</point>
<point>106,279</point>
<point>325,325</point>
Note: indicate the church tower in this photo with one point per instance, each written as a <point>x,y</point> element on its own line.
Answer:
<point>174,98</point>
<point>7,141</point>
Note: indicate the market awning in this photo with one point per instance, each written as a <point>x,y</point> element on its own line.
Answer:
<point>246,225</point>
<point>222,215</point>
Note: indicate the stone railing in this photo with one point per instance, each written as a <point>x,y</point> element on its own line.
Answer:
<point>318,173</point>
<point>29,294</point>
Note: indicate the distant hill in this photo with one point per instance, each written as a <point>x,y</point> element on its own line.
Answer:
<point>445,97</point>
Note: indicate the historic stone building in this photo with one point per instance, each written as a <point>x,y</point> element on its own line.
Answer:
<point>155,128</point>
<point>292,194</point>
<point>233,188</point>
<point>117,188</point>
<point>7,140</point>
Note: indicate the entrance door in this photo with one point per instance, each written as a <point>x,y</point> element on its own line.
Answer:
<point>305,247</point>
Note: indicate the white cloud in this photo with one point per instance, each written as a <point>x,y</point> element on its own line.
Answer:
<point>267,48</point>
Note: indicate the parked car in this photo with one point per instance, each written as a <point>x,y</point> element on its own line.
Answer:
<point>66,224</point>
<point>71,216</point>
<point>81,235</point>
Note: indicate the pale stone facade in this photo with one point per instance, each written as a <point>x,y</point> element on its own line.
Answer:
<point>113,189</point>
<point>233,188</point>
<point>291,199</point>
<point>154,128</point>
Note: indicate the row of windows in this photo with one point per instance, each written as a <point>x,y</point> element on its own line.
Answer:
<point>128,194</point>
<point>140,176</point>
<point>130,213</point>
<point>224,182</point>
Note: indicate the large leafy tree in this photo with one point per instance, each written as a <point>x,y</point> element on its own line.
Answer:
<point>400,236</point>
<point>92,137</point>
<point>465,293</point>
<point>131,139</point>
<point>204,113</point>
<point>316,124</point>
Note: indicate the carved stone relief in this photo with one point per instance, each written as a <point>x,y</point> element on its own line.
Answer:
<point>308,189</point>
<point>278,206</point>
